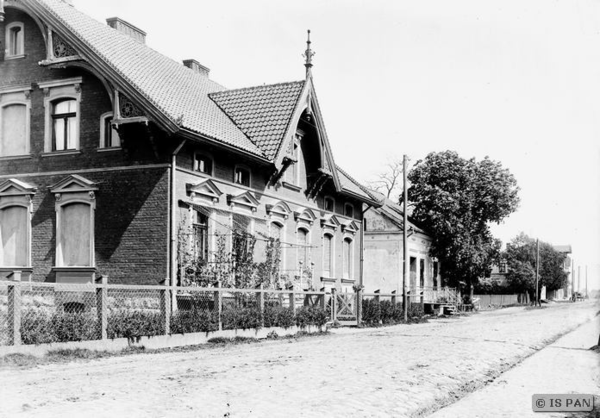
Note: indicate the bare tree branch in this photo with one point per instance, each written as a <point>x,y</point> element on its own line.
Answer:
<point>388,181</point>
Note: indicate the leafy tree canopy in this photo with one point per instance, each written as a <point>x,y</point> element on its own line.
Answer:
<point>521,262</point>
<point>455,200</point>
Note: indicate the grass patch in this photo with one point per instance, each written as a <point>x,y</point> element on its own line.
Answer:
<point>234,340</point>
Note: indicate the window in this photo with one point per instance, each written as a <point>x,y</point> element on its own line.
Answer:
<point>348,210</point>
<point>64,124</point>
<point>15,223</point>
<point>242,176</point>
<point>14,242</point>
<point>203,164</point>
<point>329,204</point>
<point>200,226</point>
<point>291,174</point>
<point>75,206</point>
<point>14,135</point>
<point>109,137</point>
<point>327,255</point>
<point>303,247</point>
<point>422,273</point>
<point>15,36</point>
<point>242,237</point>
<point>62,114</point>
<point>502,267</point>
<point>347,254</point>
<point>435,273</point>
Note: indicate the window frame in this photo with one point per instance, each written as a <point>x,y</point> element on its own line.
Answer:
<point>305,247</point>
<point>102,143</point>
<point>351,207</point>
<point>331,272</point>
<point>347,259</point>
<point>282,248</point>
<point>66,117</point>
<point>17,97</point>
<point>55,91</point>
<point>235,175</point>
<point>332,200</point>
<point>207,158</point>
<point>20,41</point>
<point>21,200</point>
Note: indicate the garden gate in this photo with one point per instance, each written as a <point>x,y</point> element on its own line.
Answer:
<point>345,309</point>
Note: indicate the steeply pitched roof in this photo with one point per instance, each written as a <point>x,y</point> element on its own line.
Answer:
<point>354,187</point>
<point>263,113</point>
<point>565,249</point>
<point>178,92</point>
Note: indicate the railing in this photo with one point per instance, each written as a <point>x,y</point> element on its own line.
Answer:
<point>35,313</point>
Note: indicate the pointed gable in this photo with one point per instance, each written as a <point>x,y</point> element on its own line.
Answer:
<point>246,200</point>
<point>205,190</point>
<point>14,187</point>
<point>263,113</point>
<point>74,183</point>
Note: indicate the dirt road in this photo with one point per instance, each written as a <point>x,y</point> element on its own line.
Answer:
<point>395,371</point>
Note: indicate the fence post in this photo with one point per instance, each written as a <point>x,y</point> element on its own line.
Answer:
<point>261,305</point>
<point>359,295</point>
<point>333,305</point>
<point>377,298</point>
<point>322,299</point>
<point>218,298</point>
<point>14,306</point>
<point>165,305</point>
<point>394,298</point>
<point>102,306</point>
<point>501,300</point>
<point>292,298</point>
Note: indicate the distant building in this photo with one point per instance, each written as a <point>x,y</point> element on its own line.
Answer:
<point>383,258</point>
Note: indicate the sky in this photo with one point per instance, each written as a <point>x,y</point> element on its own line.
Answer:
<point>515,80</point>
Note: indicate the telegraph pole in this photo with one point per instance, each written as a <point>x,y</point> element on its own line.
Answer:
<point>537,270</point>
<point>586,288</point>
<point>404,241</point>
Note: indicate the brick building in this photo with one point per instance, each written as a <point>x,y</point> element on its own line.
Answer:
<point>115,160</point>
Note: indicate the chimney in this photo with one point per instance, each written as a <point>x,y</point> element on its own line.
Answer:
<point>197,67</point>
<point>127,28</point>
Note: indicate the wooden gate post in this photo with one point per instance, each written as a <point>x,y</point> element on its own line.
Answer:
<point>292,298</point>
<point>394,298</point>
<point>261,305</point>
<point>14,307</point>
<point>102,307</point>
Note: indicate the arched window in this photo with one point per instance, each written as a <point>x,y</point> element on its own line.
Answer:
<point>64,124</point>
<point>109,137</point>
<point>303,247</point>
<point>349,210</point>
<point>15,40</point>
<point>347,258</point>
<point>14,130</point>
<point>327,255</point>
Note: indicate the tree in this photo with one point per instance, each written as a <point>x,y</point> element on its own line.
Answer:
<point>388,181</point>
<point>521,262</point>
<point>455,200</point>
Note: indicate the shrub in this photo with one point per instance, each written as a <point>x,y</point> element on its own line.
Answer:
<point>371,312</point>
<point>75,326</point>
<point>244,318</point>
<point>134,324</point>
<point>311,315</point>
<point>277,316</point>
<point>41,327</point>
<point>196,320</point>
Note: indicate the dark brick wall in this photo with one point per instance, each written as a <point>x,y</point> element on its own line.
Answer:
<point>131,225</point>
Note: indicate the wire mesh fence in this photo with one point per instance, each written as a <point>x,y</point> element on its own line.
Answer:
<point>37,313</point>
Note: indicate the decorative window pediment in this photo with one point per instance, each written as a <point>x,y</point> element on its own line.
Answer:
<point>14,187</point>
<point>330,221</point>
<point>350,227</point>
<point>206,190</point>
<point>279,209</point>
<point>74,183</point>
<point>245,200</point>
<point>305,215</point>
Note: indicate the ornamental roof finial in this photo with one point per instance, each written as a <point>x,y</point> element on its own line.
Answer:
<point>308,54</point>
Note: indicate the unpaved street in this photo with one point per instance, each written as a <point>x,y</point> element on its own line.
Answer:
<point>394,371</point>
